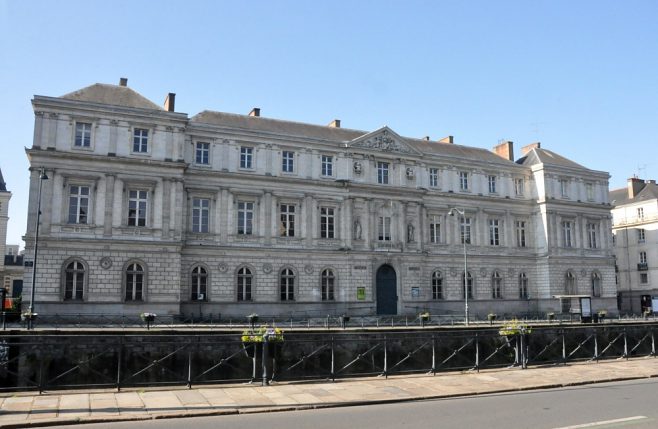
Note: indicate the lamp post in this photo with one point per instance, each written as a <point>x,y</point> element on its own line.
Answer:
<point>462,228</point>
<point>30,319</point>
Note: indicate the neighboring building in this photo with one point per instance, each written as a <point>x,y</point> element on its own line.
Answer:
<point>635,228</point>
<point>11,262</point>
<point>146,209</point>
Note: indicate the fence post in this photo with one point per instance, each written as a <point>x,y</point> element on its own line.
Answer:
<point>596,347</point>
<point>264,358</point>
<point>477,352</point>
<point>653,344</point>
<point>189,366</point>
<point>625,345</point>
<point>385,358</point>
<point>433,355</point>
<point>564,348</point>
<point>333,363</point>
<point>119,364</point>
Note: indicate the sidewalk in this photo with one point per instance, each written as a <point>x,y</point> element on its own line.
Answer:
<point>29,409</point>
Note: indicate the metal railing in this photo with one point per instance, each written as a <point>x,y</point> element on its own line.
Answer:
<point>40,361</point>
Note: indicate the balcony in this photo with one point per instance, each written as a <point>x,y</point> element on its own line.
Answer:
<point>642,266</point>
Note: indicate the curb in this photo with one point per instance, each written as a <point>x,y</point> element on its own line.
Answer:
<point>237,411</point>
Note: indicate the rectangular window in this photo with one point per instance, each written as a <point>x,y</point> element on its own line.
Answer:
<point>78,204</point>
<point>518,187</point>
<point>641,235</point>
<point>287,161</point>
<point>200,214</point>
<point>589,190</point>
<point>202,155</point>
<point>246,157</point>
<point>327,222</point>
<point>465,230</point>
<point>643,257</point>
<point>245,218</point>
<point>463,181</point>
<point>492,184</point>
<point>382,173</point>
<point>434,177</point>
<point>644,278</point>
<point>494,232</point>
<point>564,188</point>
<point>640,213</point>
<point>287,228</point>
<point>327,166</point>
<point>591,235</point>
<point>520,233</point>
<point>137,207</point>
<point>82,134</point>
<point>384,228</point>
<point>435,230</point>
<point>567,227</point>
<point>140,140</point>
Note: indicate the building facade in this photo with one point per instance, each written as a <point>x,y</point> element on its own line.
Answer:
<point>635,229</point>
<point>11,263</point>
<point>147,209</point>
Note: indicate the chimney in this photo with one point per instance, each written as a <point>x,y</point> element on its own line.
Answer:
<point>170,102</point>
<point>123,81</point>
<point>635,185</point>
<point>426,138</point>
<point>255,112</point>
<point>650,182</point>
<point>448,140</point>
<point>334,124</point>
<point>505,149</point>
<point>527,148</point>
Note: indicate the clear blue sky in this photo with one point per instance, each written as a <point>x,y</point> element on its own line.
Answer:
<point>579,76</point>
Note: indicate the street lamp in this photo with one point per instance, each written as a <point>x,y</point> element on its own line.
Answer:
<point>30,319</point>
<point>462,213</point>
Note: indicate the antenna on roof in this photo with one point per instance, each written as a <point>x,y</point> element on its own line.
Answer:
<point>641,168</point>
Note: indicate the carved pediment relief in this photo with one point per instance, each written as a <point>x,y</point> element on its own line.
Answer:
<point>384,140</point>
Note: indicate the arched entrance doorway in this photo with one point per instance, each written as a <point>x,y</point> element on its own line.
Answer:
<point>387,296</point>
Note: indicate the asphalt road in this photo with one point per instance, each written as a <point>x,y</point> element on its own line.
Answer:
<point>631,404</point>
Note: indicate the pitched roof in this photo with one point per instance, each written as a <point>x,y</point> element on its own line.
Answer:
<point>547,157</point>
<point>619,197</point>
<point>3,185</point>
<point>337,135</point>
<point>114,95</point>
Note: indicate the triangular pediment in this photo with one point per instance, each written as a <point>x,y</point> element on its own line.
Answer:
<point>383,140</point>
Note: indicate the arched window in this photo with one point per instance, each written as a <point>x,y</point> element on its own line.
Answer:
<point>328,285</point>
<point>469,287</point>
<point>287,283</point>
<point>244,284</point>
<point>596,284</point>
<point>523,286</point>
<point>570,283</point>
<point>74,281</point>
<point>437,285</point>
<point>199,284</point>
<point>496,285</point>
<point>135,282</point>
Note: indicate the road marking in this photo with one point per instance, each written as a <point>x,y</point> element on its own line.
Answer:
<point>604,422</point>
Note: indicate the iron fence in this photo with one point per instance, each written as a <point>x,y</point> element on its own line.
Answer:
<point>39,361</point>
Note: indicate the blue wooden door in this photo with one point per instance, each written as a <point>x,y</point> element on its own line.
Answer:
<point>387,296</point>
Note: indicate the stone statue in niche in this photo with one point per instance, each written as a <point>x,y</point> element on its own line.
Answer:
<point>357,229</point>
<point>357,167</point>
<point>410,233</point>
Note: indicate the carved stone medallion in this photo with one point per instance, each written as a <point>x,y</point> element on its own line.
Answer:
<point>308,268</point>
<point>223,267</point>
<point>106,262</point>
<point>267,268</point>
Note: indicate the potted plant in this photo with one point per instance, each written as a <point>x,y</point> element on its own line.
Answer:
<point>253,339</point>
<point>491,317</point>
<point>148,318</point>
<point>28,316</point>
<point>514,328</point>
<point>647,313</point>
<point>602,314</point>
<point>424,317</point>
<point>343,320</point>
<point>550,316</point>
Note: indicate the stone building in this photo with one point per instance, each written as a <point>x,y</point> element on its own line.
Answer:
<point>11,262</point>
<point>635,229</point>
<point>148,209</point>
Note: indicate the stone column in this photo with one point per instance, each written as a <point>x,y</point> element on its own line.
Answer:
<point>167,207</point>
<point>109,205</point>
<point>114,130</point>
<point>225,212</point>
<point>309,211</point>
<point>401,209</point>
<point>270,212</point>
<point>346,230</point>
<point>38,129</point>
<point>368,222</point>
<point>178,202</point>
